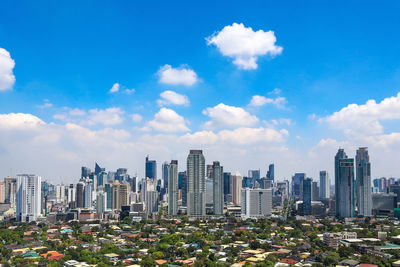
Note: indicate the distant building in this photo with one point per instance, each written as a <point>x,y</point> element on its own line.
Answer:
<point>28,198</point>
<point>256,203</point>
<point>271,172</point>
<point>236,188</point>
<point>88,194</point>
<point>227,187</point>
<point>297,185</point>
<point>101,201</point>
<point>80,187</point>
<point>173,188</point>
<point>307,196</point>
<point>324,184</point>
<point>196,184</point>
<point>344,185</point>
<point>315,191</point>
<point>151,169</point>
<point>218,188</point>
<point>363,182</point>
<point>384,204</point>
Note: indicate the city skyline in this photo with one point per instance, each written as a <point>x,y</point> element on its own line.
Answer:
<point>105,88</point>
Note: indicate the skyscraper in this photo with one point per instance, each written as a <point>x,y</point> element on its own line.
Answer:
<point>165,172</point>
<point>363,182</point>
<point>98,169</point>
<point>28,197</point>
<point>109,195</point>
<point>271,172</point>
<point>196,184</point>
<point>10,190</point>
<point>314,191</point>
<point>173,188</point>
<point>324,184</point>
<point>101,200</point>
<point>116,205</point>
<point>151,169</point>
<point>218,188</point>
<point>297,185</point>
<point>227,187</point>
<point>236,188</point>
<point>88,194</point>
<point>344,185</point>
<point>307,196</point>
<point>80,195</point>
<point>85,171</point>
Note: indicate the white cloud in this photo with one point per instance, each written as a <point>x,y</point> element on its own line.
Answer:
<point>19,121</point>
<point>7,78</point>
<point>177,76</point>
<point>244,45</point>
<point>258,100</point>
<point>109,116</point>
<point>365,119</point>
<point>228,116</point>
<point>129,91</point>
<point>77,112</point>
<point>136,117</point>
<point>167,120</point>
<point>46,104</point>
<point>115,88</point>
<point>171,98</point>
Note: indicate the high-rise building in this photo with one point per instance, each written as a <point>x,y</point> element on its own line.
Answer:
<point>116,205</point>
<point>218,188</point>
<point>363,182</point>
<point>151,202</point>
<point>101,178</point>
<point>88,194</point>
<point>173,188</point>
<point>60,193</point>
<point>85,172</point>
<point>101,201</point>
<point>184,188</point>
<point>2,192</point>
<point>315,191</point>
<point>297,185</point>
<point>256,203</point>
<point>151,169</point>
<point>124,195</point>
<point>344,185</point>
<point>10,190</point>
<point>236,188</point>
<point>165,172</point>
<point>98,169</point>
<point>210,172</point>
<point>254,177</point>
<point>71,195</point>
<point>28,197</point>
<point>80,187</point>
<point>109,194</point>
<point>271,172</point>
<point>307,196</point>
<point>227,187</point>
<point>196,183</point>
<point>324,184</point>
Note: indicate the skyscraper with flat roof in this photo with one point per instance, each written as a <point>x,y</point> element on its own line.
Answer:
<point>151,169</point>
<point>28,197</point>
<point>297,185</point>
<point>344,185</point>
<point>173,188</point>
<point>307,196</point>
<point>218,188</point>
<point>196,184</point>
<point>363,182</point>
<point>324,184</point>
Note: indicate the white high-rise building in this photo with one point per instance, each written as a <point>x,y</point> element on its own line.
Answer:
<point>196,183</point>
<point>363,182</point>
<point>324,184</point>
<point>173,188</point>
<point>28,197</point>
<point>256,203</point>
<point>101,201</point>
<point>60,193</point>
<point>88,194</point>
<point>218,188</point>
<point>236,188</point>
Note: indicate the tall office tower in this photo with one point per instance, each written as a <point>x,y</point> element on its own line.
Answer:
<point>271,172</point>
<point>297,185</point>
<point>109,193</point>
<point>227,187</point>
<point>101,200</point>
<point>98,169</point>
<point>391,181</point>
<point>151,169</point>
<point>111,177</point>
<point>209,173</point>
<point>209,192</point>
<point>116,205</point>
<point>173,188</point>
<point>60,193</point>
<point>344,185</point>
<point>236,188</point>
<point>151,202</point>
<point>184,190</point>
<point>85,172</point>
<point>2,192</point>
<point>93,180</point>
<point>133,184</point>
<point>324,184</point>
<point>11,190</point>
<point>218,188</point>
<point>256,202</point>
<point>28,197</point>
<point>44,197</point>
<point>165,172</point>
<point>101,178</point>
<point>88,194</point>
<point>121,175</point>
<point>315,191</point>
<point>124,195</point>
<point>383,184</point>
<point>196,183</point>
<point>307,196</point>
<point>363,182</point>
<point>253,179</point>
<point>71,194</point>
<point>80,188</point>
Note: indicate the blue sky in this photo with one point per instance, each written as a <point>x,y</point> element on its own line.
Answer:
<point>69,55</point>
